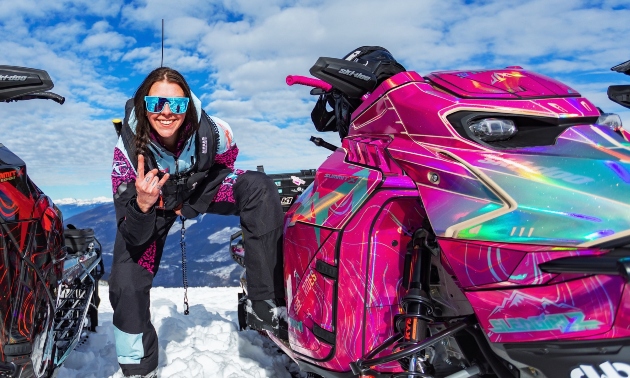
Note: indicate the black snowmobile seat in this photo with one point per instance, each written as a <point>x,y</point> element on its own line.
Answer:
<point>21,81</point>
<point>358,73</point>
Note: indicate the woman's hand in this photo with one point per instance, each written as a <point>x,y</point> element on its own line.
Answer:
<point>148,186</point>
<point>178,210</point>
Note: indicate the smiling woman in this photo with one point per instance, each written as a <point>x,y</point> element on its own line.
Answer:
<point>172,159</point>
<point>164,120</point>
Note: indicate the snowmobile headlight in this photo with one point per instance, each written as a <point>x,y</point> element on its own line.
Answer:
<point>492,129</point>
<point>611,120</point>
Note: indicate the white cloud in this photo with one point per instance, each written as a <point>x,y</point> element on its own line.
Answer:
<point>236,54</point>
<point>185,31</point>
<point>59,143</point>
<point>34,9</point>
<point>106,41</point>
<point>149,13</point>
<point>60,36</point>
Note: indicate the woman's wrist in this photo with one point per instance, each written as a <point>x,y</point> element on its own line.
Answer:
<point>142,208</point>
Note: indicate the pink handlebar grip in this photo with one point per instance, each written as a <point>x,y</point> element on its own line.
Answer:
<point>308,81</point>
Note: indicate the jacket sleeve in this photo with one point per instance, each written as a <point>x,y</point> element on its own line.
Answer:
<point>226,144</point>
<point>136,227</point>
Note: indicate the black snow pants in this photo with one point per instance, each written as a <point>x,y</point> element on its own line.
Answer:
<point>254,197</point>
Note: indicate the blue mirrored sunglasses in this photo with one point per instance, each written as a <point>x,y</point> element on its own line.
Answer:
<point>155,104</point>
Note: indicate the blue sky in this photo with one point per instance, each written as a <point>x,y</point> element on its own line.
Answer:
<point>236,54</point>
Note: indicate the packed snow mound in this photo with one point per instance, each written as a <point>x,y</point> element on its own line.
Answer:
<point>205,343</point>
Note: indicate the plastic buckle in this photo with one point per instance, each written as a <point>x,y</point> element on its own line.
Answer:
<point>160,203</point>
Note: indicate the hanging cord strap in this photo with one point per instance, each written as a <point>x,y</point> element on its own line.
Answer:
<point>182,243</point>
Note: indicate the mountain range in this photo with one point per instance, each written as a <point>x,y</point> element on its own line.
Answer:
<point>207,244</point>
<point>71,207</point>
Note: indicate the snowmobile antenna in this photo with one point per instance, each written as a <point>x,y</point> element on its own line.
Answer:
<point>162,62</point>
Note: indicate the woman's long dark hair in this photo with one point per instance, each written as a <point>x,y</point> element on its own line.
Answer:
<point>143,127</point>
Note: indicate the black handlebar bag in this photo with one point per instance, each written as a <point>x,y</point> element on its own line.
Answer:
<point>78,239</point>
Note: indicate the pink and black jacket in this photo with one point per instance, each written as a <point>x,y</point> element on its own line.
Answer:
<point>198,172</point>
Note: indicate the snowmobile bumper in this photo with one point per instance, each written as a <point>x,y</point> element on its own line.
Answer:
<point>575,359</point>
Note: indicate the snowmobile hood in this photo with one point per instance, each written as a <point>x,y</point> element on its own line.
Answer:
<point>509,83</point>
<point>16,197</point>
<point>574,193</point>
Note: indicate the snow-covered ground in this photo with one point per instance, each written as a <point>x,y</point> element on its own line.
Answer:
<point>205,343</point>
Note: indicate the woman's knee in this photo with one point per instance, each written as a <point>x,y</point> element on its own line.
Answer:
<point>253,182</point>
<point>129,282</point>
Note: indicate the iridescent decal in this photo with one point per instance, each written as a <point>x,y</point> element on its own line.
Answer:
<point>335,196</point>
<point>296,325</point>
<point>577,308</point>
<point>555,196</point>
<point>567,322</point>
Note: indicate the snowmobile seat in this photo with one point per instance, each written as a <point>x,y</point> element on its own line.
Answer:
<point>351,78</point>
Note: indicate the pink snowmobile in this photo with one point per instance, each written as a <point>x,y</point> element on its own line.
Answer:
<point>472,223</point>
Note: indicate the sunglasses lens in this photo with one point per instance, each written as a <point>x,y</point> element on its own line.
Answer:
<point>159,106</point>
<point>151,104</point>
<point>177,105</point>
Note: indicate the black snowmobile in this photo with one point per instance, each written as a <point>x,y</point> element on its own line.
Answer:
<point>48,274</point>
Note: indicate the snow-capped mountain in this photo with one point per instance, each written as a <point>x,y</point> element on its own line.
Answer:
<point>207,243</point>
<point>82,202</point>
<point>70,207</point>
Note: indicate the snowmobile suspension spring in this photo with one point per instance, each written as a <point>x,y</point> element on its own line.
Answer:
<point>417,306</point>
<point>363,365</point>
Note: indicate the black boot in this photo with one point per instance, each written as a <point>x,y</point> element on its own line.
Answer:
<point>269,315</point>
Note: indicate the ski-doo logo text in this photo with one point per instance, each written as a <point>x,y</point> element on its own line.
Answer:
<point>6,176</point>
<point>610,370</point>
<point>352,73</point>
<point>12,78</point>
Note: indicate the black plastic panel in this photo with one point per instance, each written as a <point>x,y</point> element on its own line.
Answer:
<point>623,68</point>
<point>20,81</point>
<point>532,131</point>
<point>620,94</point>
<point>573,358</point>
